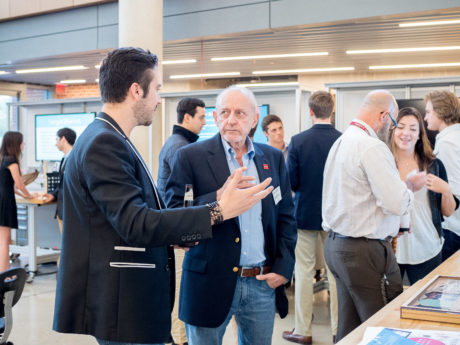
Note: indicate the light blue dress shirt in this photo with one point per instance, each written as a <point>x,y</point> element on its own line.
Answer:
<point>251,228</point>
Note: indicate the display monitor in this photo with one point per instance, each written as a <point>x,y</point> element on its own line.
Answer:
<point>46,127</point>
<point>210,128</point>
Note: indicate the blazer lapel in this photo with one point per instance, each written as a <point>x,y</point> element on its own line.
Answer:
<point>217,161</point>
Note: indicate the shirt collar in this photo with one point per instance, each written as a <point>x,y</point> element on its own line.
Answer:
<point>189,135</point>
<point>369,128</point>
<point>450,129</point>
<point>230,152</point>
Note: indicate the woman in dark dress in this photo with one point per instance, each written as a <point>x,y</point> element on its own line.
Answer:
<point>10,183</point>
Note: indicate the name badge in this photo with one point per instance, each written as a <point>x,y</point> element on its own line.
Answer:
<point>277,195</point>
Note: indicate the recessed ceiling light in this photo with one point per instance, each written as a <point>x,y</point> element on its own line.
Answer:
<point>97,66</point>
<point>306,70</point>
<point>402,50</point>
<point>51,69</point>
<point>423,65</point>
<point>205,75</point>
<point>176,62</point>
<point>97,80</point>
<point>4,72</point>
<point>73,81</point>
<point>271,56</point>
<point>427,23</point>
<point>285,83</point>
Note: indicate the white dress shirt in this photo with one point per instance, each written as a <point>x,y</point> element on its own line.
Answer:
<point>447,149</point>
<point>363,195</point>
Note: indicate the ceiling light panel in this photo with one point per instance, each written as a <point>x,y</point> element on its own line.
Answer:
<point>306,70</point>
<point>429,23</point>
<point>51,69</point>
<point>271,56</point>
<point>286,83</point>
<point>402,50</point>
<point>205,75</point>
<point>178,62</point>
<point>424,65</point>
<point>73,81</point>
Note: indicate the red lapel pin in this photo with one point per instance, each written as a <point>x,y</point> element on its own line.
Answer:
<point>266,166</point>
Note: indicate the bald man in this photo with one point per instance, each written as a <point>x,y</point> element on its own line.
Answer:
<point>363,199</point>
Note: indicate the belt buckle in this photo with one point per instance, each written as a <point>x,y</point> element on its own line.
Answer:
<point>242,270</point>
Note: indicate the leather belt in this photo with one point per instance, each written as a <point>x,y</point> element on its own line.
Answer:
<point>336,234</point>
<point>253,271</point>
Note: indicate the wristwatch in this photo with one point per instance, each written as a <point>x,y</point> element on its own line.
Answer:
<point>215,211</point>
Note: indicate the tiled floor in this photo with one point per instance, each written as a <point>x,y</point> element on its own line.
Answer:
<point>33,317</point>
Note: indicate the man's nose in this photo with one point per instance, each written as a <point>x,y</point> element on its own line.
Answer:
<point>232,117</point>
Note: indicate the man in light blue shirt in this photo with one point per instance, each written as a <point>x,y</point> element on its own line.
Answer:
<point>241,271</point>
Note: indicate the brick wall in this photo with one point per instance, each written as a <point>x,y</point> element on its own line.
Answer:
<point>79,91</point>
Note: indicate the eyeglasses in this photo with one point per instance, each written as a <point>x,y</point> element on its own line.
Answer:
<point>392,119</point>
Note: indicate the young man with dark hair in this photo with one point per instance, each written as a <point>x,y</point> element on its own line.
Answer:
<point>116,279</point>
<point>274,131</point>
<point>65,139</point>
<point>190,120</point>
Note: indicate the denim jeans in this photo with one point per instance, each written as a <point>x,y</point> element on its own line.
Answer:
<point>418,271</point>
<point>109,342</point>
<point>254,309</point>
<point>451,244</point>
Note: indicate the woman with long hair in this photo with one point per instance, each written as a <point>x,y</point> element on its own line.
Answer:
<point>419,251</point>
<point>10,183</point>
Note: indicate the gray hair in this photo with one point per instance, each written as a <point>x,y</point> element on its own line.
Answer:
<point>244,91</point>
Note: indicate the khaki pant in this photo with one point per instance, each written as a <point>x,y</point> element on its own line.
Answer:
<point>306,253</point>
<point>177,327</point>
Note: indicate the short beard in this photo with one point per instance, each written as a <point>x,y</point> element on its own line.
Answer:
<point>384,133</point>
<point>143,118</point>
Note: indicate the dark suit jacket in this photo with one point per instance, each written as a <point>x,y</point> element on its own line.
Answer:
<point>57,193</point>
<point>306,159</point>
<point>208,279</point>
<point>116,275</point>
<point>180,137</point>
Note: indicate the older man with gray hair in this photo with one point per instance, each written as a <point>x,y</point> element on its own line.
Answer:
<point>242,270</point>
<point>363,199</point>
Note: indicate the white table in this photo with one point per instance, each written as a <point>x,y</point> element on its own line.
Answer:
<point>35,254</point>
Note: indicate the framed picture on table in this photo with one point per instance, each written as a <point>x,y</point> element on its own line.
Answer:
<point>438,300</point>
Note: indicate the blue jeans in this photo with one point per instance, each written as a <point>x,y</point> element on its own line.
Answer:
<point>418,271</point>
<point>254,309</point>
<point>109,342</point>
<point>451,244</point>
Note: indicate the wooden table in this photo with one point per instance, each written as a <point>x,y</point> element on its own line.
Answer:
<point>389,316</point>
<point>35,255</point>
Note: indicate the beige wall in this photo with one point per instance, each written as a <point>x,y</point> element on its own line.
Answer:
<point>10,9</point>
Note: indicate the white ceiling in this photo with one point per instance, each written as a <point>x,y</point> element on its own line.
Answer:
<point>335,38</point>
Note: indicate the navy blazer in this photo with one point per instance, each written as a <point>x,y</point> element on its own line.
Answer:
<point>306,159</point>
<point>116,275</point>
<point>208,276</point>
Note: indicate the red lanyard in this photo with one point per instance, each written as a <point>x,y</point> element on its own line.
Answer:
<point>357,124</point>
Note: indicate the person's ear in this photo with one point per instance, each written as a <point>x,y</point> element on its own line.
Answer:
<point>136,91</point>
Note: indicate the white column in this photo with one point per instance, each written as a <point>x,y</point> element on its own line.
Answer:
<point>140,24</point>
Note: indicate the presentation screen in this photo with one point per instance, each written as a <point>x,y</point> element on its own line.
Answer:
<point>210,128</point>
<point>46,127</point>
